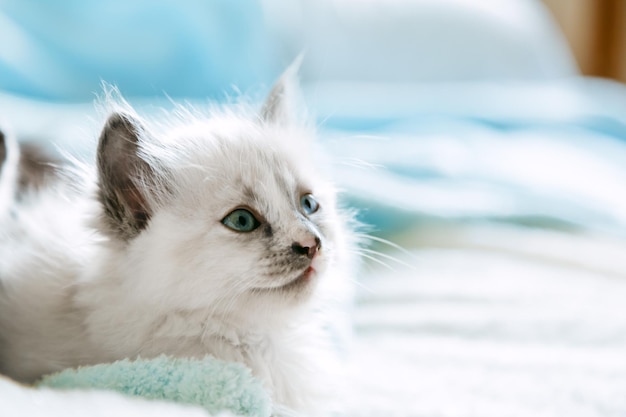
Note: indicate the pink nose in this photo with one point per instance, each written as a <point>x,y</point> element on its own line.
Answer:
<point>308,246</point>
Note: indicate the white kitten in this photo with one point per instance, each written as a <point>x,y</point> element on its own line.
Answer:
<point>196,236</point>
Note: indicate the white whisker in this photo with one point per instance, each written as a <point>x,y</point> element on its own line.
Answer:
<point>385,242</point>
<point>386,256</point>
<point>378,261</point>
<point>361,285</point>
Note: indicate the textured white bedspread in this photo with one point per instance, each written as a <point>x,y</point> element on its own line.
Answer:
<point>480,330</point>
<point>487,323</point>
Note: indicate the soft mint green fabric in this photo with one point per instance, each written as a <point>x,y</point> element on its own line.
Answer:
<point>209,383</point>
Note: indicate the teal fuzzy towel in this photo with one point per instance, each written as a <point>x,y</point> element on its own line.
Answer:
<point>210,383</point>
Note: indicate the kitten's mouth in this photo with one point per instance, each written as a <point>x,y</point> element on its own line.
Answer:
<point>299,282</point>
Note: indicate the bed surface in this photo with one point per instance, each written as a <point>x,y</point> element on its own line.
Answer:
<point>474,330</point>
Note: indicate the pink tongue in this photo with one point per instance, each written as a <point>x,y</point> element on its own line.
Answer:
<point>308,272</point>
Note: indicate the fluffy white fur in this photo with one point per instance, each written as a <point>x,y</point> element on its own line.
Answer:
<point>75,291</point>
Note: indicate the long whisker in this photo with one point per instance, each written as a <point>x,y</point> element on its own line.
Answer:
<point>385,242</point>
<point>386,256</point>
<point>226,305</point>
<point>236,292</point>
<point>360,284</point>
<point>378,261</point>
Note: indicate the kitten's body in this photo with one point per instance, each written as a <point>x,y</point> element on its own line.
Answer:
<point>148,267</point>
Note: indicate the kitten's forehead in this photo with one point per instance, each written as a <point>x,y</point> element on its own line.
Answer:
<point>267,175</point>
<point>259,166</point>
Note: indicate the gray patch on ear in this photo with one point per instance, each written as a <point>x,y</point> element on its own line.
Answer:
<point>3,149</point>
<point>36,169</point>
<point>120,170</point>
<point>279,104</point>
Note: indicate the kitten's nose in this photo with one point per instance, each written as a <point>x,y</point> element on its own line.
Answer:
<point>308,247</point>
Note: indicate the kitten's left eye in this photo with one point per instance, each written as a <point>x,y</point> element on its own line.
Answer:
<point>241,220</point>
<point>309,204</point>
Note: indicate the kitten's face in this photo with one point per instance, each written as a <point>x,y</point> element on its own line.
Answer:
<point>249,218</point>
<point>241,221</point>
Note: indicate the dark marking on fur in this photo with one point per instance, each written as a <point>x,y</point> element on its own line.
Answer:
<point>120,167</point>
<point>249,194</point>
<point>285,188</point>
<point>36,169</point>
<point>267,231</point>
<point>3,149</point>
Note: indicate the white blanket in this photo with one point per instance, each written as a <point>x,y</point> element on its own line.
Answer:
<point>485,322</point>
<point>495,322</point>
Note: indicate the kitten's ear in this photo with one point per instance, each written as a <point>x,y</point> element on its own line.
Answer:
<point>280,105</point>
<point>121,174</point>
<point>3,149</point>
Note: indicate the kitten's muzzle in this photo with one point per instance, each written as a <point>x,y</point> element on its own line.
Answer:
<point>308,247</point>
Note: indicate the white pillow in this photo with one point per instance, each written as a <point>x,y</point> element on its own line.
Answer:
<point>422,40</point>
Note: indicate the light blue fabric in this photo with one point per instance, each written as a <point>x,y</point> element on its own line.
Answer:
<point>443,143</point>
<point>209,383</point>
<point>188,48</point>
<point>549,154</point>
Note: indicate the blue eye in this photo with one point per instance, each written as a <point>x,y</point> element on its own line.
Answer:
<point>241,220</point>
<point>309,204</point>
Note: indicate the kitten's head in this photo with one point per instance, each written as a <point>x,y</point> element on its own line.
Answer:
<point>230,212</point>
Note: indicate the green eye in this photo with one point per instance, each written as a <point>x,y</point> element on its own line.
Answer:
<point>241,220</point>
<point>309,204</point>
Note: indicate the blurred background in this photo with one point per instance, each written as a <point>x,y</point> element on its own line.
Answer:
<point>494,108</point>
<point>485,137</point>
<point>179,46</point>
<point>596,33</point>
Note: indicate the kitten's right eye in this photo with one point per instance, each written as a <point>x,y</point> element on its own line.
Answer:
<point>241,220</point>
